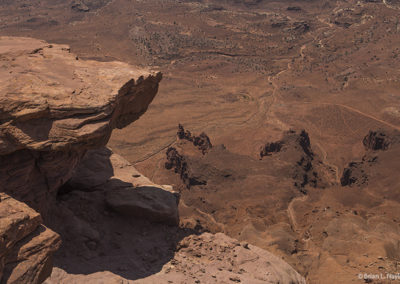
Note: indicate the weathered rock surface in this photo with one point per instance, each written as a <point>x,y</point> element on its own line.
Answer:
<point>218,258</point>
<point>149,202</point>
<point>26,246</point>
<point>54,107</point>
<point>126,190</point>
<point>205,258</point>
<point>210,258</point>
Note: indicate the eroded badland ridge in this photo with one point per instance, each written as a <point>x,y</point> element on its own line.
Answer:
<point>288,137</point>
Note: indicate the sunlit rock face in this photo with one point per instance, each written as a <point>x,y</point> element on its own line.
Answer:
<point>54,107</point>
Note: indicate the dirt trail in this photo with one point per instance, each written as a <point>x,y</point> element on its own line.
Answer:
<point>325,161</point>
<point>291,214</point>
<point>358,112</point>
<point>156,152</point>
<point>389,6</point>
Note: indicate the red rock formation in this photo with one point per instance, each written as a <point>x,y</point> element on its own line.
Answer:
<point>54,108</point>
<point>26,246</point>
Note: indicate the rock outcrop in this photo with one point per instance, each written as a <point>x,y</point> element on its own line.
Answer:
<point>308,169</point>
<point>178,163</point>
<point>357,173</point>
<point>205,258</point>
<point>126,191</point>
<point>354,173</point>
<point>54,107</point>
<point>269,148</point>
<point>377,140</point>
<point>26,245</point>
<point>209,258</point>
<point>80,6</point>
<point>202,142</point>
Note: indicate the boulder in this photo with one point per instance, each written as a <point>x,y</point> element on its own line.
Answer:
<point>26,245</point>
<point>126,190</point>
<point>148,202</point>
<point>80,6</point>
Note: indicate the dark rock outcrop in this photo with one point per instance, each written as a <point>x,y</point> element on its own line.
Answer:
<point>180,166</point>
<point>294,8</point>
<point>80,6</point>
<point>308,169</point>
<point>291,139</point>
<point>376,140</point>
<point>357,172</point>
<point>354,174</point>
<point>270,148</point>
<point>202,142</point>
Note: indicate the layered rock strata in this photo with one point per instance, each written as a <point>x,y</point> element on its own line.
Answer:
<point>26,245</point>
<point>54,107</point>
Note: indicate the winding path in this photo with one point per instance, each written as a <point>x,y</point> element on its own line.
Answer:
<point>291,214</point>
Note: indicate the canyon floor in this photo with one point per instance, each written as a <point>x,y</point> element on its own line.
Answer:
<point>299,104</point>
